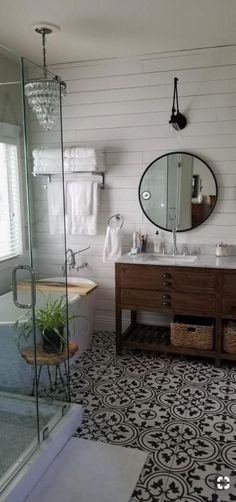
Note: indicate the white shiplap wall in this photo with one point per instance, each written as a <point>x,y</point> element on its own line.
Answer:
<point>123,107</point>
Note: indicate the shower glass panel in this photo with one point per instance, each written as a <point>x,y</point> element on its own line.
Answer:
<point>48,244</point>
<point>34,384</point>
<point>18,409</point>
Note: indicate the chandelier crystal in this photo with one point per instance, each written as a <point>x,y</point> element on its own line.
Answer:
<point>44,94</point>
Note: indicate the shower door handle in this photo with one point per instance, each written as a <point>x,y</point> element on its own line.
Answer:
<point>32,283</point>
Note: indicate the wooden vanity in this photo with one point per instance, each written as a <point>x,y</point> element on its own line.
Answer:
<point>193,290</point>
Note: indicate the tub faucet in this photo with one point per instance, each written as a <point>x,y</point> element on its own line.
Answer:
<point>70,261</point>
<point>175,250</point>
<point>71,255</point>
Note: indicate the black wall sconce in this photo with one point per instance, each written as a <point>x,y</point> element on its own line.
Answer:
<point>177,119</point>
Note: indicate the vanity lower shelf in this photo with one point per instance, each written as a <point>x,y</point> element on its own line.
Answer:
<point>157,338</point>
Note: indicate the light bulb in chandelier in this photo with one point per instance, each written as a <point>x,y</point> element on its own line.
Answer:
<point>44,94</point>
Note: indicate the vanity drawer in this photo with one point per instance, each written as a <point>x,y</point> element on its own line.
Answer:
<point>199,303</point>
<point>229,305</point>
<point>144,277</point>
<point>145,299</point>
<point>194,280</point>
<point>166,301</point>
<point>229,284</point>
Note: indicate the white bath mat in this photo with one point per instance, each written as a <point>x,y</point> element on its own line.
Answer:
<point>90,471</point>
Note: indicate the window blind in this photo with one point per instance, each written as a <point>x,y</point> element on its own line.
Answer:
<point>10,214</point>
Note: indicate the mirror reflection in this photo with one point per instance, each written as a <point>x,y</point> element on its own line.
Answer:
<point>178,191</point>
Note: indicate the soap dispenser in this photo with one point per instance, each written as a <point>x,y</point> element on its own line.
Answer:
<point>157,243</point>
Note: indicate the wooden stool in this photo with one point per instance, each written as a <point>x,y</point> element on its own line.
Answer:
<point>49,359</point>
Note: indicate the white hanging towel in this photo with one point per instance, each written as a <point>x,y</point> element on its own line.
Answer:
<point>83,224</point>
<point>55,207</point>
<point>80,195</point>
<point>112,244</point>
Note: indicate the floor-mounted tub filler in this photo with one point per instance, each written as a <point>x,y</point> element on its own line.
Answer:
<point>25,452</point>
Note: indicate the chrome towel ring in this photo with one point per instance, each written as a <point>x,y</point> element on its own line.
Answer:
<point>115,221</point>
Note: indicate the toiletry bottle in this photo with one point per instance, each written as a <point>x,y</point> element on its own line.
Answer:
<point>139,241</point>
<point>157,243</point>
<point>134,249</point>
<point>143,244</point>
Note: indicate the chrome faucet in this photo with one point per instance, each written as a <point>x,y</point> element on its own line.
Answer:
<point>70,261</point>
<point>175,250</point>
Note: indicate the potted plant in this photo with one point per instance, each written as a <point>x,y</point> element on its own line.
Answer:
<point>51,321</point>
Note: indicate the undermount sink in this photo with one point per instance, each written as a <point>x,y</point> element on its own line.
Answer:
<point>170,258</point>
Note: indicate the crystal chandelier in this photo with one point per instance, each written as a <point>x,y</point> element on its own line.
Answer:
<point>44,94</point>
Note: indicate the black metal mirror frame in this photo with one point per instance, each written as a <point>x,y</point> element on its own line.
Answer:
<point>165,155</point>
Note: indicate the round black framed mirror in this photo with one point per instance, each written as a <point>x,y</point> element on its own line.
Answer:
<point>178,191</point>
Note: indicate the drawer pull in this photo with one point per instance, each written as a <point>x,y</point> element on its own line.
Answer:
<point>166,276</point>
<point>166,284</point>
<point>166,304</point>
<point>166,297</point>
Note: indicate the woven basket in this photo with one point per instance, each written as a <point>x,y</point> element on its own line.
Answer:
<point>193,336</point>
<point>229,338</point>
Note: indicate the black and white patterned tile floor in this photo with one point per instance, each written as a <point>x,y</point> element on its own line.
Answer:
<point>181,411</point>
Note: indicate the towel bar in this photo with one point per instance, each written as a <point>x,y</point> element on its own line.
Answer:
<point>49,176</point>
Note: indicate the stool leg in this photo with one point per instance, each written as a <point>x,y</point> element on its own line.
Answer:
<point>61,377</point>
<point>50,379</point>
<point>66,373</point>
<point>56,370</point>
<point>36,377</point>
<point>63,383</point>
<point>33,386</point>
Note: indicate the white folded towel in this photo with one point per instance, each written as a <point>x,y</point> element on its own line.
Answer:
<point>54,163</point>
<point>80,165</point>
<point>55,207</point>
<point>76,152</point>
<point>83,224</point>
<point>47,166</point>
<point>47,153</point>
<point>112,244</point>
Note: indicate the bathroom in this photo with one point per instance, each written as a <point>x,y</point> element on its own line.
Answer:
<point>120,104</point>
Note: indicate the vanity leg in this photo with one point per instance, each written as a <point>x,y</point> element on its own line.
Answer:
<point>118,331</point>
<point>218,341</point>
<point>133,316</point>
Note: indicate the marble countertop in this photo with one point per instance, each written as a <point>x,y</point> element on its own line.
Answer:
<point>201,261</point>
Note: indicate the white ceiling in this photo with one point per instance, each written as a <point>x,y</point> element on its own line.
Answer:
<point>92,29</point>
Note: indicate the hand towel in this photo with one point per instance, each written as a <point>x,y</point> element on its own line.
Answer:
<point>81,224</point>
<point>55,207</point>
<point>112,244</point>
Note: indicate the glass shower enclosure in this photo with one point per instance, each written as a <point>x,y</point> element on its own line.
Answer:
<point>34,384</point>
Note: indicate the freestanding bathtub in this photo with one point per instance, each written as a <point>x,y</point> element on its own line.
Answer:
<point>15,374</point>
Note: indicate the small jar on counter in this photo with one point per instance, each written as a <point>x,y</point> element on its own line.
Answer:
<point>222,249</point>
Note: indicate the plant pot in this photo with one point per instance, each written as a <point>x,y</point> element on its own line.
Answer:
<point>52,342</point>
